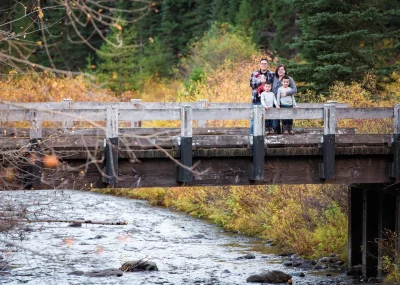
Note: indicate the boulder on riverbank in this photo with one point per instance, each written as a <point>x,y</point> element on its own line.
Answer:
<point>274,276</point>
<point>139,265</point>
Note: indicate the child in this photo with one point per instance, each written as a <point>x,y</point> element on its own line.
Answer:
<point>260,88</point>
<point>268,100</point>
<point>286,101</point>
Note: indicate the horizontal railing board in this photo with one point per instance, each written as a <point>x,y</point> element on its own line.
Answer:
<point>295,113</point>
<point>60,132</point>
<point>364,113</point>
<point>364,139</point>
<point>222,114</point>
<point>150,115</point>
<point>142,105</point>
<point>55,115</point>
<point>160,114</point>
<point>234,113</point>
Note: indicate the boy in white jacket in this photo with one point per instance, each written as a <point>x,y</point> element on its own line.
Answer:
<point>268,100</point>
<point>286,101</point>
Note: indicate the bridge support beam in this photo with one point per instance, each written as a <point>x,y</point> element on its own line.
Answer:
<point>34,172</point>
<point>111,147</point>
<point>184,173</point>
<point>372,213</point>
<point>257,168</point>
<point>327,168</point>
<point>395,165</point>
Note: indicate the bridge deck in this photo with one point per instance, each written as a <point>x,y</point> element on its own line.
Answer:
<point>221,156</point>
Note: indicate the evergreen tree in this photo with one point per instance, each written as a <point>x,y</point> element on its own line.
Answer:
<point>118,66</point>
<point>204,17</point>
<point>220,11</point>
<point>284,22</point>
<point>153,61</point>
<point>177,25</point>
<point>256,18</point>
<point>344,40</point>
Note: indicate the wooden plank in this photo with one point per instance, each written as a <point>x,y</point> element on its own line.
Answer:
<point>259,121</point>
<point>364,113</point>
<point>35,122</point>
<point>47,132</point>
<point>150,115</point>
<point>128,152</point>
<point>55,115</point>
<point>135,123</point>
<point>396,120</point>
<point>295,113</point>
<point>184,174</point>
<point>329,119</point>
<point>142,105</point>
<point>207,141</point>
<point>112,123</point>
<point>234,113</point>
<point>228,171</point>
<point>14,115</point>
<point>368,139</point>
<point>222,114</point>
<point>186,117</point>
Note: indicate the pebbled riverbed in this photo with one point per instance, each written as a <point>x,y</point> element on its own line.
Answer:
<point>186,250</point>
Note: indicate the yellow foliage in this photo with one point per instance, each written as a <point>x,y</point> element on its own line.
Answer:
<point>49,88</point>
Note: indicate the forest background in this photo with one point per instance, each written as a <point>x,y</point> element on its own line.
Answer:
<point>185,50</point>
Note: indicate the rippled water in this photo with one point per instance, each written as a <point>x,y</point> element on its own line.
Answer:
<point>186,250</point>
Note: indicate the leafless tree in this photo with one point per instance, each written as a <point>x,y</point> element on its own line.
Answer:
<point>17,51</point>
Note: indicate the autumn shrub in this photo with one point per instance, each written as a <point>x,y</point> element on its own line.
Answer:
<point>365,95</point>
<point>47,87</point>
<point>220,44</point>
<point>390,257</point>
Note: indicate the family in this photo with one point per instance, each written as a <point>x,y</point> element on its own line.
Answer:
<point>273,90</point>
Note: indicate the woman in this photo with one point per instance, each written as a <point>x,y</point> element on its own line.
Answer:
<point>280,72</point>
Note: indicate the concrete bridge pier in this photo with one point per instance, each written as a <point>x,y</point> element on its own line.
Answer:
<point>373,209</point>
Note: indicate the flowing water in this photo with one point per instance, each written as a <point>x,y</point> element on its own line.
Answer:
<point>186,250</point>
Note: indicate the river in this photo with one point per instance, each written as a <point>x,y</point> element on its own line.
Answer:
<point>186,250</point>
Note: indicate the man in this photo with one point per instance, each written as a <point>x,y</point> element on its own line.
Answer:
<point>255,79</point>
<point>255,82</point>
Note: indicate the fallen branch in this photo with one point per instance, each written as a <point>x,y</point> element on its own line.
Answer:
<point>112,223</point>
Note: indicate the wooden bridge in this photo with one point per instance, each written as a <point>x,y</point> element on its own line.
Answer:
<point>102,145</point>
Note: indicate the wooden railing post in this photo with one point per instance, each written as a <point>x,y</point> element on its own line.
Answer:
<point>67,124</point>
<point>34,175</point>
<point>184,174</point>
<point>111,147</point>
<point>134,123</point>
<point>204,104</point>
<point>395,165</point>
<point>257,171</point>
<point>327,168</point>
